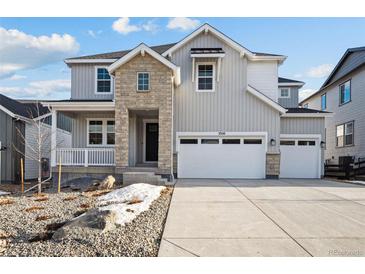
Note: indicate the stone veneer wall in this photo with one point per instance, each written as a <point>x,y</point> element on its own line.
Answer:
<point>158,97</point>
<point>272,165</point>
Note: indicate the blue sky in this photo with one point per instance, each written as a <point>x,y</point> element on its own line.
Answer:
<point>32,49</point>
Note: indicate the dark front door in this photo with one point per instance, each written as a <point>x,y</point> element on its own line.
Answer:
<point>151,142</point>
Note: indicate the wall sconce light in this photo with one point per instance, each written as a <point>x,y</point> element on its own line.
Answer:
<point>272,142</point>
<point>323,144</point>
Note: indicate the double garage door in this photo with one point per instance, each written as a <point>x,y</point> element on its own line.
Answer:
<point>221,156</point>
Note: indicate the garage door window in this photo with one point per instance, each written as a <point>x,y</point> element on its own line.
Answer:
<point>231,141</point>
<point>287,143</point>
<point>252,141</point>
<point>306,143</point>
<point>188,141</point>
<point>210,141</point>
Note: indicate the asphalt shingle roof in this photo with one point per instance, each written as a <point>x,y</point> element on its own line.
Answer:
<point>28,110</point>
<point>305,110</point>
<point>286,80</point>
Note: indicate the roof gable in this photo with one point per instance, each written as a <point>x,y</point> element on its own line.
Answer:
<point>265,99</point>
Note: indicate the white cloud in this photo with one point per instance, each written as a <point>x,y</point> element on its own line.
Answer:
<point>48,89</point>
<point>298,75</point>
<point>183,23</point>
<point>320,71</point>
<point>17,77</point>
<point>94,33</point>
<point>122,26</point>
<point>150,26</point>
<point>19,50</point>
<point>305,93</point>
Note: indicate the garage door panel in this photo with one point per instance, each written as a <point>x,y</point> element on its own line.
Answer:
<point>299,161</point>
<point>221,160</point>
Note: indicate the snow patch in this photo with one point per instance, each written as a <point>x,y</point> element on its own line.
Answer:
<point>4,193</point>
<point>118,200</point>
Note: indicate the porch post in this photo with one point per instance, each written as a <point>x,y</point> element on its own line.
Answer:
<point>54,138</point>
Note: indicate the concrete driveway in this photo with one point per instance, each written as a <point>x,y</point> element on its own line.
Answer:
<point>265,218</point>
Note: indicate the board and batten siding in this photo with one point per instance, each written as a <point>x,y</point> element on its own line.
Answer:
<point>79,126</point>
<point>6,139</point>
<point>292,101</point>
<point>352,111</point>
<point>230,107</point>
<point>83,83</point>
<point>31,133</point>
<point>299,125</point>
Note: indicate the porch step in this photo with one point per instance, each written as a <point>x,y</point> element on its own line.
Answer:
<point>143,178</point>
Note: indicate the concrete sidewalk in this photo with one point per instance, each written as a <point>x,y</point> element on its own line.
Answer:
<point>265,218</point>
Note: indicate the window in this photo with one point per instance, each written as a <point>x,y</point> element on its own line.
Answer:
<point>143,79</point>
<point>231,141</point>
<point>287,143</point>
<point>95,132</point>
<point>205,75</point>
<point>110,132</point>
<point>101,132</point>
<point>305,105</point>
<point>103,81</point>
<point>252,141</point>
<point>210,141</point>
<point>345,134</point>
<point>188,141</point>
<point>345,92</point>
<point>324,101</point>
<point>306,143</point>
<point>284,93</point>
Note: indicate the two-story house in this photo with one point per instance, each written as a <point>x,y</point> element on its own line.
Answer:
<point>205,107</point>
<point>343,93</point>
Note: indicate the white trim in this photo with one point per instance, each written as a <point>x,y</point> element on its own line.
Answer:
<point>207,55</point>
<point>88,61</point>
<point>13,115</point>
<point>283,84</point>
<point>197,76</point>
<point>146,121</point>
<point>242,50</point>
<point>289,92</point>
<point>142,48</point>
<point>103,131</point>
<point>199,134</point>
<point>96,81</point>
<point>81,106</point>
<point>149,82</point>
<point>266,99</point>
<point>306,137</point>
<point>307,115</point>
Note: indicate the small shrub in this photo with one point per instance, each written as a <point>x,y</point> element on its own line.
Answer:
<point>41,199</point>
<point>33,208</point>
<point>84,206</point>
<point>6,201</point>
<point>134,200</point>
<point>42,218</point>
<point>100,193</point>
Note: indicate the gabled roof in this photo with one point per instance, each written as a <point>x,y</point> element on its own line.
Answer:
<point>142,49</point>
<point>21,110</point>
<point>241,49</point>
<point>352,59</point>
<point>265,99</point>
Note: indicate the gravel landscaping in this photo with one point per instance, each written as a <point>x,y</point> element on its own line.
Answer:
<point>27,224</point>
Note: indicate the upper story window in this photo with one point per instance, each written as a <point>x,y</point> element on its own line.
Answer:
<point>284,92</point>
<point>143,79</point>
<point>324,101</point>
<point>345,134</point>
<point>205,77</point>
<point>345,92</point>
<point>103,81</point>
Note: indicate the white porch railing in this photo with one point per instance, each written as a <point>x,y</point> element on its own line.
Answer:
<point>86,156</point>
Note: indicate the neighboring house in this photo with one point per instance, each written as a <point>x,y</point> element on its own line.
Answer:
<point>18,137</point>
<point>205,107</point>
<point>289,92</point>
<point>343,93</point>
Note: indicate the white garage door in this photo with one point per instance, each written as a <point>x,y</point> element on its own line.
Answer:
<point>300,158</point>
<point>221,157</point>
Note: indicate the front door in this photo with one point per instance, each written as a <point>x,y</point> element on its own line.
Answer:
<point>151,142</point>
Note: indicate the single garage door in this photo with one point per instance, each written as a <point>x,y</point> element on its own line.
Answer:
<point>300,158</point>
<point>221,157</point>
